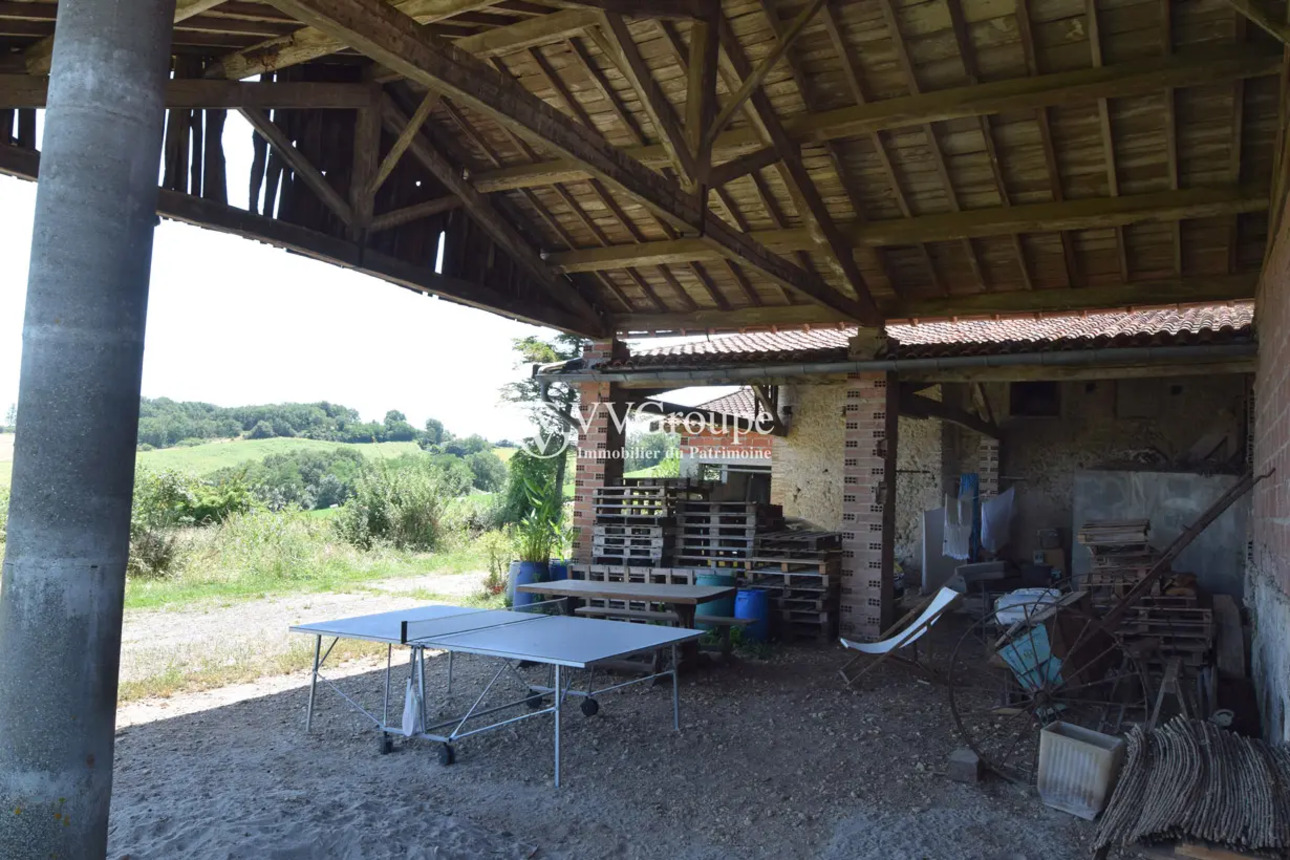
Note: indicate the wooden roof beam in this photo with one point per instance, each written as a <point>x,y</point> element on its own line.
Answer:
<point>1092,213</point>
<point>1258,16</point>
<point>1108,134</point>
<point>397,42</point>
<point>36,58</point>
<point>482,212</point>
<point>618,44</point>
<point>938,157</point>
<point>798,178</point>
<point>1183,69</point>
<point>310,43</point>
<point>299,164</point>
<point>753,81</point>
<point>674,9</point>
<point>29,91</point>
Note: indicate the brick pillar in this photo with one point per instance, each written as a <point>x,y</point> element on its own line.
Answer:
<point>868,505</point>
<point>592,468</point>
<point>987,467</point>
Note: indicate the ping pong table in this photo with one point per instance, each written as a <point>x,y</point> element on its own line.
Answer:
<point>564,644</point>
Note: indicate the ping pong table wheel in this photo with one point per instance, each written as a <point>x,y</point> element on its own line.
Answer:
<point>446,755</point>
<point>590,707</point>
<point>387,744</point>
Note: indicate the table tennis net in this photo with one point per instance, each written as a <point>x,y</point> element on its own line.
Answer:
<point>435,629</point>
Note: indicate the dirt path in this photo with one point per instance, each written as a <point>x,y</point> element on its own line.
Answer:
<point>236,638</point>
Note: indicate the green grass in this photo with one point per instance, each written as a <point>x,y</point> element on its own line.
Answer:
<point>206,458</point>
<point>505,454</point>
<point>260,554</point>
<point>6,458</point>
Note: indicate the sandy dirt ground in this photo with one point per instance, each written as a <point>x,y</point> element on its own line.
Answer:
<point>775,759</point>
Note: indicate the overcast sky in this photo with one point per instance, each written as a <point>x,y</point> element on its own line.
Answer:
<point>234,322</point>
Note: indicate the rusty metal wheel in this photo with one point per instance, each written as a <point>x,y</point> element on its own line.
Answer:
<point>1008,680</point>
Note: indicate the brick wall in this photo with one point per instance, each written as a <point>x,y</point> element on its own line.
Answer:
<point>601,435</point>
<point>987,467</point>
<point>697,444</point>
<point>868,504</point>
<point>1268,576</point>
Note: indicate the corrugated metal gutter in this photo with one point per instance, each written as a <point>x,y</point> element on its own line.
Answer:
<point>1111,356</point>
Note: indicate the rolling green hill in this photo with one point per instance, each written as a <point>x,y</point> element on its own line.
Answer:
<point>206,458</point>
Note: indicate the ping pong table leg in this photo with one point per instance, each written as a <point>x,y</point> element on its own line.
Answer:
<point>313,684</point>
<point>558,697</point>
<point>676,694</point>
<point>451,654</point>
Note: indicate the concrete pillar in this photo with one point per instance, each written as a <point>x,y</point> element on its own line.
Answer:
<point>870,413</point>
<point>78,407</point>
<point>593,467</point>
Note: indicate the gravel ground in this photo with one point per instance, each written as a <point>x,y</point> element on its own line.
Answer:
<point>253,631</point>
<point>775,759</point>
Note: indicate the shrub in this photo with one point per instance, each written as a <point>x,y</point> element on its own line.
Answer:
<point>264,544</point>
<point>499,549</point>
<point>473,515</point>
<point>4,512</point>
<point>488,469</point>
<point>400,506</point>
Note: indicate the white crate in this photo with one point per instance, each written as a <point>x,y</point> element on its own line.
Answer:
<point>1078,768</point>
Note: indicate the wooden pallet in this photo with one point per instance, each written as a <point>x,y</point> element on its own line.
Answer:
<point>796,542</point>
<point>779,564</point>
<point>1114,532</point>
<point>598,541</point>
<point>630,529</point>
<point>780,579</point>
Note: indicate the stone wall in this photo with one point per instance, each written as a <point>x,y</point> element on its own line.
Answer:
<point>1041,456</point>
<point>806,466</point>
<point>1268,582</point>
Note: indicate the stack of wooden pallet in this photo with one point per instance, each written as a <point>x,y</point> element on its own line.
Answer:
<point>630,573</point>
<point>722,534</point>
<point>800,571</point>
<point>635,521</point>
<point>1166,626</point>
<point>1121,555</point>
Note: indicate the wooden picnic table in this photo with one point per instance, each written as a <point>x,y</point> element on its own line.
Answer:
<point>680,599</point>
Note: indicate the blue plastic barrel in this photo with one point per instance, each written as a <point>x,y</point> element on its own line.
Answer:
<point>558,569</point>
<point>529,572</point>
<point>725,607</point>
<point>755,604</point>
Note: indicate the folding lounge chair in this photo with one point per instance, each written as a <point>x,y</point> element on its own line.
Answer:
<point>927,614</point>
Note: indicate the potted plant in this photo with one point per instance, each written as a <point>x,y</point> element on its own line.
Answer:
<point>536,536</point>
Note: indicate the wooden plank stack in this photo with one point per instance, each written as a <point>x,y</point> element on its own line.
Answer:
<point>722,534</point>
<point>635,520</point>
<point>801,572</point>
<point>1122,556</point>
<point>1165,626</point>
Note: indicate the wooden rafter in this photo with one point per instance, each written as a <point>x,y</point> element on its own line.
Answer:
<point>617,42</point>
<point>1085,214</point>
<point>37,57</point>
<point>1171,131</point>
<point>310,43</point>
<point>404,140</point>
<point>1108,134</point>
<point>606,199</point>
<point>1017,94</point>
<point>24,163</point>
<point>753,80</point>
<point>933,145</point>
<point>486,216</point>
<point>300,165</point>
<point>415,212</point>
<point>366,162</point>
<point>1073,277</point>
<point>855,83</point>
<point>1258,16</point>
<point>806,195</point>
<point>701,92</point>
<point>958,25</point>
<point>399,43</point>
<point>30,91</point>
<point>1234,162</point>
<point>675,9</point>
